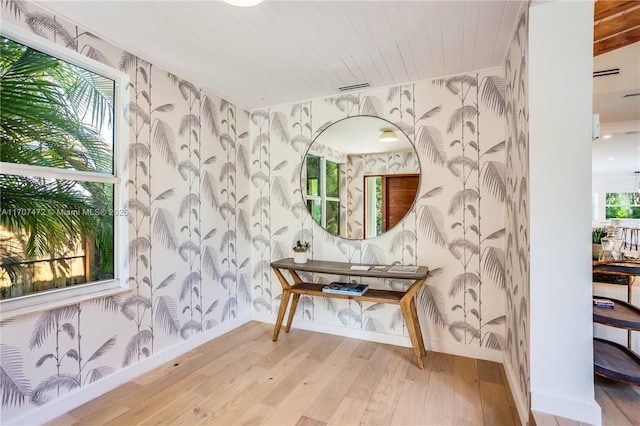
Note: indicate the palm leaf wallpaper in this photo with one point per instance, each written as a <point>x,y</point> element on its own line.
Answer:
<point>456,226</point>
<point>189,225</point>
<point>517,222</point>
<point>215,196</point>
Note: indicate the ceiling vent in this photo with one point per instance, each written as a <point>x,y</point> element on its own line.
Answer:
<point>603,73</point>
<point>354,87</point>
<point>628,95</point>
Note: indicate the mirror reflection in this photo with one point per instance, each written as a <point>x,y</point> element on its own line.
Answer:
<point>360,177</point>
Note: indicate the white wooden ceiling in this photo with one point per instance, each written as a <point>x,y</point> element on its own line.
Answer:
<point>285,51</point>
<point>361,135</point>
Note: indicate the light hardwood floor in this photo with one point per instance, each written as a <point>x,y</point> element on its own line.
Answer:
<point>619,402</point>
<point>309,378</point>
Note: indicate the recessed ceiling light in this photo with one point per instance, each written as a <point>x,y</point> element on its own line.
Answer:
<point>611,158</point>
<point>243,3</point>
<point>606,137</point>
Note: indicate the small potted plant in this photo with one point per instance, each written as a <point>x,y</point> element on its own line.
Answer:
<point>597,234</point>
<point>300,251</point>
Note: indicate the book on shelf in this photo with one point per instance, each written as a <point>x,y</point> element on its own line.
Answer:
<point>603,303</point>
<point>345,288</point>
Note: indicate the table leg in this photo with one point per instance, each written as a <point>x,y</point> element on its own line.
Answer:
<point>292,311</point>
<point>405,305</point>
<point>283,307</point>
<point>414,316</point>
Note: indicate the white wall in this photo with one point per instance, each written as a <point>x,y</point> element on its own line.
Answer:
<point>560,94</point>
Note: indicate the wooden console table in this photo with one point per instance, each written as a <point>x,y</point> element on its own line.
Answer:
<point>403,298</point>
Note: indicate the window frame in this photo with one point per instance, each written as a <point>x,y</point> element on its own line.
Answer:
<point>327,198</point>
<point>322,188</point>
<point>51,299</point>
<point>620,206</point>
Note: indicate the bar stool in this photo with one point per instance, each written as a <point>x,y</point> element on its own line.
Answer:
<point>631,237</point>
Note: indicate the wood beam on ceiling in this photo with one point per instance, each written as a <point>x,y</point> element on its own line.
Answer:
<point>605,8</point>
<point>616,42</point>
<point>616,24</point>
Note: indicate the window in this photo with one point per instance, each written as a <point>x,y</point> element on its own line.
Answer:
<point>373,206</point>
<point>622,205</point>
<point>63,211</point>
<point>323,192</point>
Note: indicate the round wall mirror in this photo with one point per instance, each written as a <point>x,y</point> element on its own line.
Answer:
<point>360,177</point>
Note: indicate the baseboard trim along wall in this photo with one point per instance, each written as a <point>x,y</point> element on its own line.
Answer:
<point>391,339</point>
<point>519,399</point>
<point>574,409</point>
<point>87,393</point>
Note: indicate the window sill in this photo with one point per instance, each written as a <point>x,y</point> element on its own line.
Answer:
<point>53,299</point>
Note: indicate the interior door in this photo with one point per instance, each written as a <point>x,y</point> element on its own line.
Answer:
<point>398,193</point>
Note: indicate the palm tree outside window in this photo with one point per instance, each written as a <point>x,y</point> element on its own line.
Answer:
<point>60,198</point>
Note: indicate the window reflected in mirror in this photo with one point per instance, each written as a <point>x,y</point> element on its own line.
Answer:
<point>373,208</point>
<point>323,192</point>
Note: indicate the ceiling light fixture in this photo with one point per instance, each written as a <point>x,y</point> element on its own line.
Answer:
<point>243,3</point>
<point>606,137</point>
<point>388,135</point>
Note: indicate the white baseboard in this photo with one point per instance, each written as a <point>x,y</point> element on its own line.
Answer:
<point>391,339</point>
<point>85,394</point>
<point>586,411</point>
<point>520,400</point>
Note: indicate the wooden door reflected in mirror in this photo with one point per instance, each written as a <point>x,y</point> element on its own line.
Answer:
<point>387,198</point>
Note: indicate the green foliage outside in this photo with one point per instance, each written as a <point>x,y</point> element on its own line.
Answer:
<point>333,179</point>
<point>314,208</point>
<point>332,174</point>
<point>52,114</point>
<point>333,217</point>
<point>313,175</point>
<point>332,190</point>
<point>622,205</point>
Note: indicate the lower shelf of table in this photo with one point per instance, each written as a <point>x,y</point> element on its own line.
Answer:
<point>372,295</point>
<point>615,361</point>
